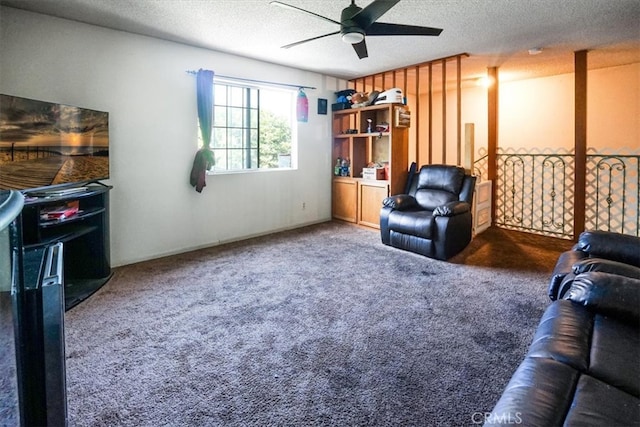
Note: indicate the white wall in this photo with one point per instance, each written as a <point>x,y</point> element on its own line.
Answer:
<point>475,110</point>
<point>143,84</point>
<point>539,113</point>
<point>613,107</point>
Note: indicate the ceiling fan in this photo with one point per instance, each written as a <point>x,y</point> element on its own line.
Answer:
<point>356,23</point>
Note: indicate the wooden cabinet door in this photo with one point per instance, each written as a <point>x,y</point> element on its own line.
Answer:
<point>345,199</point>
<point>370,197</point>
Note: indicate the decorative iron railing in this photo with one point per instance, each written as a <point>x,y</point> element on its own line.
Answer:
<point>535,191</point>
<point>612,197</point>
<point>481,165</point>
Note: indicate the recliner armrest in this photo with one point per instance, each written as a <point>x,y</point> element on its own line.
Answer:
<point>400,202</point>
<point>606,293</point>
<point>452,208</point>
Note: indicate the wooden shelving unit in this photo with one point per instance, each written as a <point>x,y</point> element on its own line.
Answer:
<point>355,199</point>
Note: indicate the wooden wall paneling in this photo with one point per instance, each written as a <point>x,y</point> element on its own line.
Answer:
<point>580,59</point>
<point>416,116</point>
<point>444,111</point>
<point>413,137</point>
<point>401,81</point>
<point>430,113</point>
<point>405,81</point>
<point>389,80</point>
<point>421,133</point>
<point>492,137</point>
<point>459,109</point>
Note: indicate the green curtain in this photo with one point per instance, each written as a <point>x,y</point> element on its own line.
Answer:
<point>204,156</point>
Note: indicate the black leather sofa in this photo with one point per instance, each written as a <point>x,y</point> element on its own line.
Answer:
<point>434,217</point>
<point>583,366</point>
<point>596,251</point>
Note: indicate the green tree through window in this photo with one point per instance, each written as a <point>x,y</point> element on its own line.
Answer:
<point>275,139</point>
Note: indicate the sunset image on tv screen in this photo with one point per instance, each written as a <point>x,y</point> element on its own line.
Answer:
<point>43,143</point>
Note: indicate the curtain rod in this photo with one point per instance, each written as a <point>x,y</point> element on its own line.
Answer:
<point>257,81</point>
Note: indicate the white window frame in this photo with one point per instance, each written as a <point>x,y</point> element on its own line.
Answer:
<point>236,130</point>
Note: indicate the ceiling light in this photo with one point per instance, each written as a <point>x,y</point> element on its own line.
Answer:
<point>352,37</point>
<point>535,50</point>
<point>484,81</point>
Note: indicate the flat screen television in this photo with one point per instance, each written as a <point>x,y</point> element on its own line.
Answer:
<point>47,145</point>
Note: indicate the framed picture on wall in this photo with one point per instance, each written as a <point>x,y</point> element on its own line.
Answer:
<point>322,106</point>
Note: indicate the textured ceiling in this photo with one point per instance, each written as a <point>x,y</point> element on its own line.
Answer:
<point>492,32</point>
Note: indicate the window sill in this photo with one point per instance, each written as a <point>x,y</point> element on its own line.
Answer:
<point>249,171</point>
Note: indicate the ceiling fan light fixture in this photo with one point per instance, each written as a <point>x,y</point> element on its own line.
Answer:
<point>352,37</point>
<point>356,23</point>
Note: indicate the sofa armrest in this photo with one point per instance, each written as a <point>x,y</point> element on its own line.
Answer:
<point>564,266</point>
<point>613,246</point>
<point>606,266</point>
<point>609,294</point>
<point>452,208</point>
<point>564,286</point>
<point>400,202</point>
<point>561,280</point>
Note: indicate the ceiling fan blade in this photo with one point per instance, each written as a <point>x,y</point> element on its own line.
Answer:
<point>382,29</point>
<point>361,49</point>
<point>288,6</point>
<point>372,12</point>
<point>308,40</point>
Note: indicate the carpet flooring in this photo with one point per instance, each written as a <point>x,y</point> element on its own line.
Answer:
<point>319,326</point>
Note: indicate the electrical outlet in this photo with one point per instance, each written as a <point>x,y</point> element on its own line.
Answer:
<point>304,205</point>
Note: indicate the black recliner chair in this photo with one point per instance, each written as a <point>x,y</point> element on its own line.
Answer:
<point>434,218</point>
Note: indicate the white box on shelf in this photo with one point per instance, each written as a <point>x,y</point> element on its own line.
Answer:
<point>373,173</point>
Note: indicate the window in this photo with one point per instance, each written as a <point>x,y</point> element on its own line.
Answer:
<point>253,127</point>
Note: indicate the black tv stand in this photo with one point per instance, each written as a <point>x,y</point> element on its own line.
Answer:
<point>85,237</point>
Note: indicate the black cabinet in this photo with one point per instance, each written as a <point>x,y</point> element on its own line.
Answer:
<point>32,351</point>
<point>85,237</point>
